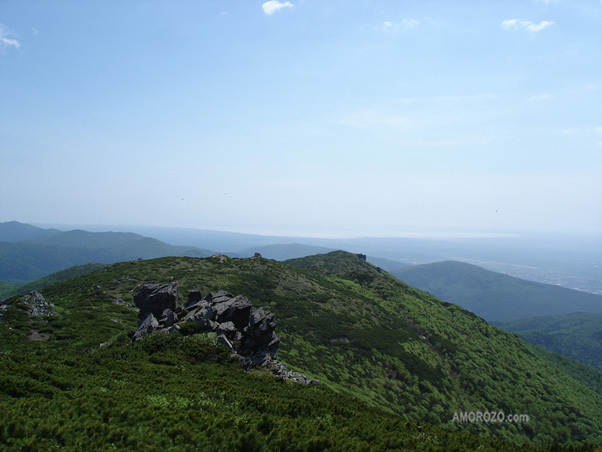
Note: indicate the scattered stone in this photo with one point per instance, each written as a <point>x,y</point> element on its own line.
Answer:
<point>37,336</point>
<point>257,255</point>
<point>280,370</point>
<point>361,256</point>
<point>124,303</point>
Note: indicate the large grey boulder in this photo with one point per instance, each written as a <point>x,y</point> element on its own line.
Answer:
<point>155,298</point>
<point>261,326</point>
<point>236,310</point>
<point>148,326</point>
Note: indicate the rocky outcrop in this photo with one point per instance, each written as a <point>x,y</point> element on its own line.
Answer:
<point>248,332</point>
<point>155,298</point>
<point>37,305</point>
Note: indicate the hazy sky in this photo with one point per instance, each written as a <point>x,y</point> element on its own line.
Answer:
<point>304,117</point>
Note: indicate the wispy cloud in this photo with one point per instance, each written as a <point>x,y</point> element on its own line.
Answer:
<point>511,24</point>
<point>273,6</point>
<point>404,24</point>
<point>409,23</point>
<point>541,97</point>
<point>599,129</point>
<point>6,40</point>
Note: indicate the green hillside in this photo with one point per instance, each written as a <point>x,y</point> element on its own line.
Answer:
<point>169,393</point>
<point>360,331</point>
<point>28,260</point>
<point>494,296</point>
<point>578,336</point>
<point>583,373</point>
<point>7,290</point>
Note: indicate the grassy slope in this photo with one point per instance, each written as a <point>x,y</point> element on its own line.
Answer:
<point>169,393</point>
<point>494,296</point>
<point>360,331</point>
<point>578,336</point>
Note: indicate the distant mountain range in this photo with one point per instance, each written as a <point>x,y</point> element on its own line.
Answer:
<point>50,252</point>
<point>28,252</point>
<point>13,231</point>
<point>495,296</point>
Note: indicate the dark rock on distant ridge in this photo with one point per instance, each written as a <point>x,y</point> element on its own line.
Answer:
<point>244,330</point>
<point>362,256</point>
<point>257,255</point>
<point>155,298</point>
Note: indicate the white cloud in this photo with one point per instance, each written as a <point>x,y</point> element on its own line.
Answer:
<point>538,27</point>
<point>405,23</point>
<point>599,129</point>
<point>511,24</point>
<point>541,97</point>
<point>274,5</point>
<point>409,23</point>
<point>5,40</point>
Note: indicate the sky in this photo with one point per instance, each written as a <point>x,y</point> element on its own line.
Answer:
<point>303,117</point>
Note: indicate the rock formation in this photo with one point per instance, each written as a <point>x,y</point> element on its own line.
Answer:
<point>248,332</point>
<point>37,305</point>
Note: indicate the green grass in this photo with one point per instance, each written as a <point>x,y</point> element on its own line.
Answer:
<point>170,393</point>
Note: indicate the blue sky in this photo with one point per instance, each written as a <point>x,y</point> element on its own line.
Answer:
<point>308,117</point>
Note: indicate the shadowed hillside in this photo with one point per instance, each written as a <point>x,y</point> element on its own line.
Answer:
<point>494,296</point>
